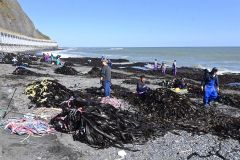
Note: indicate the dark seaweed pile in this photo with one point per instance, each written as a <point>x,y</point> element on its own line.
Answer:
<point>211,122</point>
<point>47,93</point>
<point>116,75</point>
<point>229,78</point>
<point>133,81</point>
<point>230,99</point>
<point>176,111</point>
<point>26,72</point>
<point>117,91</point>
<point>94,72</point>
<point>25,59</point>
<point>195,91</point>
<point>8,57</point>
<point>68,64</point>
<point>168,111</point>
<point>101,125</point>
<point>66,70</point>
<point>165,105</point>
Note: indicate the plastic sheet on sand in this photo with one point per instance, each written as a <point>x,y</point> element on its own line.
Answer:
<point>112,101</point>
<point>29,126</point>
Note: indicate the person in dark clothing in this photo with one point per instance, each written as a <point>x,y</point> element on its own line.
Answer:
<point>206,77</point>
<point>109,63</point>
<point>210,86</point>
<point>106,78</point>
<point>179,83</point>
<point>103,59</point>
<point>174,68</point>
<point>141,86</point>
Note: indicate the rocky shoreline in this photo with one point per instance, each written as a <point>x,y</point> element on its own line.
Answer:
<point>175,143</point>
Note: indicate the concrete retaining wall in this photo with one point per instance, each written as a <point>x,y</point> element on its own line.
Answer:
<point>13,42</point>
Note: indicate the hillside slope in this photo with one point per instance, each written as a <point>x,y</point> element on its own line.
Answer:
<point>13,18</point>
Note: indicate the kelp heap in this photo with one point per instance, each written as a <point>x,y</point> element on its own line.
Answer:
<point>47,93</point>
<point>101,125</point>
<point>175,111</point>
<point>164,105</point>
<point>24,71</point>
<point>94,72</point>
<point>8,57</point>
<point>230,99</point>
<point>66,70</point>
<point>68,63</point>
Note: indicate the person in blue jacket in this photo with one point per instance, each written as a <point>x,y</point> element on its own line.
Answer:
<point>210,86</point>
<point>141,86</point>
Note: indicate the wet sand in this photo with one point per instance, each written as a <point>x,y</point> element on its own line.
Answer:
<point>173,145</point>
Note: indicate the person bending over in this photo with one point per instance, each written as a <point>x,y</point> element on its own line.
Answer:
<point>210,86</point>
<point>141,86</point>
<point>180,83</point>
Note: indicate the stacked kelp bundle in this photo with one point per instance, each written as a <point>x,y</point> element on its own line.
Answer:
<point>174,111</point>
<point>8,57</point>
<point>94,72</point>
<point>24,59</point>
<point>121,92</point>
<point>47,93</point>
<point>94,92</point>
<point>101,125</point>
<point>210,121</point>
<point>229,78</point>
<point>68,63</point>
<point>230,99</point>
<point>195,91</point>
<point>116,91</point>
<point>24,71</point>
<point>66,70</point>
<point>163,104</point>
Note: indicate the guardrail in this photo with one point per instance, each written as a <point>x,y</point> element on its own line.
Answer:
<point>14,42</point>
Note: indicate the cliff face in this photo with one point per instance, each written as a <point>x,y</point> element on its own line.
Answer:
<point>13,18</point>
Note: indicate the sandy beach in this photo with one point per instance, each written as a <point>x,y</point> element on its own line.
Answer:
<point>175,144</point>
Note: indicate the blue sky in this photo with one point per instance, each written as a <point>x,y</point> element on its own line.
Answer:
<point>137,23</point>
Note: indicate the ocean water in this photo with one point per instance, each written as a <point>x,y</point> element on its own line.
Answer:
<point>227,59</point>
